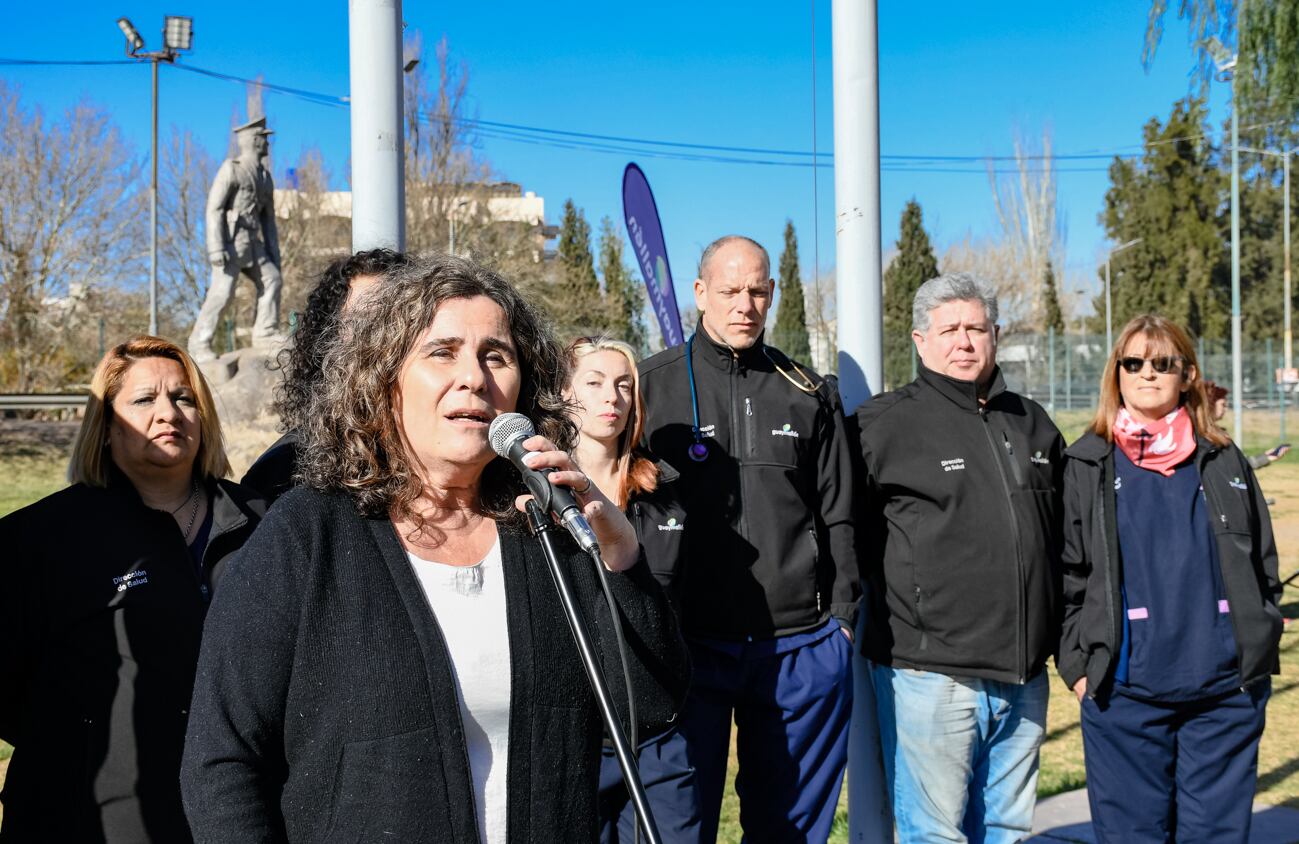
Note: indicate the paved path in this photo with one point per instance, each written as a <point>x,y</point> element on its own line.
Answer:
<point>1067,818</point>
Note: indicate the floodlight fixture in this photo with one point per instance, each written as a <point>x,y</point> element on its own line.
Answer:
<point>1223,59</point>
<point>133,40</point>
<point>178,32</point>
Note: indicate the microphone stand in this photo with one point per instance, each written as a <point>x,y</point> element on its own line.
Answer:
<point>543,528</point>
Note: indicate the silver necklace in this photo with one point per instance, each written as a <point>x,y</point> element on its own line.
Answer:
<point>193,512</point>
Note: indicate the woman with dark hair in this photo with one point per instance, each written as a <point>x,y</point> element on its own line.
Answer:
<point>392,658</point>
<point>1171,626</point>
<point>341,286</point>
<point>105,588</point>
<point>604,391</point>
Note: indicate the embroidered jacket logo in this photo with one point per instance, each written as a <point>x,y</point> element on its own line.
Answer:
<point>131,579</point>
<point>1039,459</point>
<point>671,525</point>
<point>785,430</point>
<point>956,464</point>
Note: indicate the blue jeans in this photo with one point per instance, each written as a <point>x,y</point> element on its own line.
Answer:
<point>960,754</point>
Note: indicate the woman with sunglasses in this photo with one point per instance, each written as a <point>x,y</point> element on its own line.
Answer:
<point>1171,624</point>
<point>604,392</point>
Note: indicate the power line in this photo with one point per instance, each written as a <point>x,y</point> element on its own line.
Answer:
<point>683,150</point>
<point>63,62</point>
<point>310,96</point>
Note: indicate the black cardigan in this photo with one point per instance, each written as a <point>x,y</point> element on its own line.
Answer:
<point>325,706</point>
<point>101,614</point>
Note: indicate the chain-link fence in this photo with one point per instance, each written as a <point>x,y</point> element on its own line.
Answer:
<point>1064,372</point>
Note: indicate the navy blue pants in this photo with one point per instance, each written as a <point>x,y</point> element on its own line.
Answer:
<point>1181,772</point>
<point>670,787</point>
<point>791,700</point>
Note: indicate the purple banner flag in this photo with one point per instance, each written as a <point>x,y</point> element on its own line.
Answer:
<point>646,233</point>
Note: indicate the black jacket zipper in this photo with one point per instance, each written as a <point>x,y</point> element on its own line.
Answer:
<point>1020,633</point>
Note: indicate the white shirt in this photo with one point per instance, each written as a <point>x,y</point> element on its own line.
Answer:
<point>469,605</point>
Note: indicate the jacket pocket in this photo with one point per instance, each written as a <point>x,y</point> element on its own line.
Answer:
<point>391,789</point>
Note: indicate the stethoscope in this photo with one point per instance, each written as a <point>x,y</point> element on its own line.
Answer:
<point>697,451</point>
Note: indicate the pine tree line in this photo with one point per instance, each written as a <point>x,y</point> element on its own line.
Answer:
<point>579,304</point>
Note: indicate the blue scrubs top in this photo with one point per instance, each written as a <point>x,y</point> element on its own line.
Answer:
<point>1178,644</point>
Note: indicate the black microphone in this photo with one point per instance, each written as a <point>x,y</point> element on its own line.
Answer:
<point>506,435</point>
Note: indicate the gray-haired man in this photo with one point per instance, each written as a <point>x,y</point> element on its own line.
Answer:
<point>961,551</point>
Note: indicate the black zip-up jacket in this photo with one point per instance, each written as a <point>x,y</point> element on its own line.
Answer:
<point>961,529</point>
<point>660,523</point>
<point>770,548</point>
<point>101,614</point>
<point>1093,603</point>
<point>271,474</point>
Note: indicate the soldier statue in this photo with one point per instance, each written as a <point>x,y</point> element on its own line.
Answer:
<point>242,238</point>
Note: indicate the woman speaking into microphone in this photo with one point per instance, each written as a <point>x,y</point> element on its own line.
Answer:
<point>390,660</point>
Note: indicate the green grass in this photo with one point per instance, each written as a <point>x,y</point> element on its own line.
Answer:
<point>27,479</point>
<point>31,466</point>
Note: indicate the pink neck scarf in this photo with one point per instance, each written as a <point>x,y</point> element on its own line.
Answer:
<point>1159,446</point>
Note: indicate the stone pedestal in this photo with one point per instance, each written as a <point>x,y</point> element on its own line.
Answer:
<point>243,385</point>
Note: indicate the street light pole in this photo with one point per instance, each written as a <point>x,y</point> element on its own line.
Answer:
<point>177,35</point>
<point>1237,379</point>
<point>1109,313</point>
<point>1285,156</point>
<point>153,214</point>
<point>1288,360</point>
<point>451,217</point>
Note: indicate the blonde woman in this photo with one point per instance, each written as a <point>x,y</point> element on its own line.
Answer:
<point>1171,624</point>
<point>106,585</point>
<point>604,391</point>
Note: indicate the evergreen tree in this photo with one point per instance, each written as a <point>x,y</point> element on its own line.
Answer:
<point>626,298</point>
<point>790,333</point>
<point>1172,198</point>
<point>911,267</point>
<point>576,303</point>
<point>1051,298</point>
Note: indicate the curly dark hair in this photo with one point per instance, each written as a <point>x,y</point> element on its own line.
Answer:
<point>351,438</point>
<point>302,360</point>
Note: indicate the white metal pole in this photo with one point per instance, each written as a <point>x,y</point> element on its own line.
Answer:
<point>860,333</point>
<point>1288,360</point>
<point>378,155</point>
<point>153,214</point>
<point>857,199</point>
<point>1109,318</point>
<point>1237,380</point>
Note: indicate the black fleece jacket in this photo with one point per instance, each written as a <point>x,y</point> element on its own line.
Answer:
<point>961,529</point>
<point>101,613</point>
<point>325,706</point>
<point>770,546</point>
<point>1093,567</point>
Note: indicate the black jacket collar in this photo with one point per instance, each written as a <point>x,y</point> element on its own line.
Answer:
<point>230,506</point>
<point>965,394</point>
<point>723,356</point>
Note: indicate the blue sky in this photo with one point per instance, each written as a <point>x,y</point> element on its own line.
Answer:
<point>956,79</point>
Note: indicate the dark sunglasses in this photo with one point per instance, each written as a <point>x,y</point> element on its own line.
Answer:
<point>1162,365</point>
